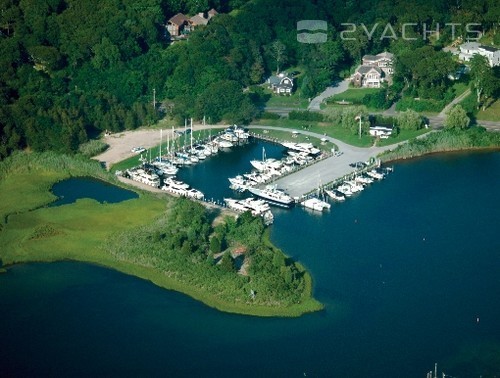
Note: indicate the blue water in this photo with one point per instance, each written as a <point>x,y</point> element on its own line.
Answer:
<point>211,176</point>
<point>69,190</point>
<point>405,269</point>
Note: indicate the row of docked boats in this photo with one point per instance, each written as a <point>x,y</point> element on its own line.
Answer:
<point>256,207</point>
<point>160,172</point>
<point>345,189</point>
<point>269,169</point>
<point>180,188</point>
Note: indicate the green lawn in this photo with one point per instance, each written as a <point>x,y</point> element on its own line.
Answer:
<point>403,135</point>
<point>287,136</point>
<point>321,128</point>
<point>491,113</point>
<point>353,95</point>
<point>293,101</point>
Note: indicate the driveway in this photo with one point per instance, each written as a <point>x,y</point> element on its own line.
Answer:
<point>337,88</point>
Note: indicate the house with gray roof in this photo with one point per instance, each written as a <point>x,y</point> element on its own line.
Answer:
<point>368,76</point>
<point>383,61</point>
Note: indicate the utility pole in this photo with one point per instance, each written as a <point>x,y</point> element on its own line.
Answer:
<point>359,117</point>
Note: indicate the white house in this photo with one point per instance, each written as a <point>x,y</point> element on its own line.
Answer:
<point>373,71</point>
<point>281,84</point>
<point>469,49</point>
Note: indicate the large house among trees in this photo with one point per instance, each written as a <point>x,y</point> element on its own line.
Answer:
<point>373,70</point>
<point>469,49</point>
<point>180,25</point>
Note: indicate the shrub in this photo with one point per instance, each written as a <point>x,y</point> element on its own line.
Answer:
<point>305,116</point>
<point>93,148</point>
<point>269,115</point>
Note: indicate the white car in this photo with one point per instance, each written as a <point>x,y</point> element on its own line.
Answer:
<point>138,150</point>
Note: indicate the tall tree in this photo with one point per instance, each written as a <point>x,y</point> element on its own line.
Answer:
<point>278,51</point>
<point>483,79</point>
<point>457,118</point>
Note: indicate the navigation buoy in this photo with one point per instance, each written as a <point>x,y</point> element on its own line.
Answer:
<point>477,319</point>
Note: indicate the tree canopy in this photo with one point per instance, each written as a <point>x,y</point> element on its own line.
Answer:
<point>71,69</point>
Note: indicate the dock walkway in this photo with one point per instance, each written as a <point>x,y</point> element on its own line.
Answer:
<point>326,170</point>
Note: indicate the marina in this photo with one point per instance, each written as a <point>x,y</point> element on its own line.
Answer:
<point>283,173</point>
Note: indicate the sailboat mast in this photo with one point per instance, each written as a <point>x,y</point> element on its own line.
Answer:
<point>159,151</point>
<point>191,134</point>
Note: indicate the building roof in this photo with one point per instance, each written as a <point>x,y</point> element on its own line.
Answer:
<point>198,20</point>
<point>489,48</point>
<point>178,19</point>
<point>286,82</point>
<point>374,58</point>
<point>386,54</point>
<point>212,12</point>
<point>363,70</point>
<point>274,80</point>
<point>469,46</point>
<point>370,57</point>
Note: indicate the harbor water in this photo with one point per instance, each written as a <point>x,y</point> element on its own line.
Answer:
<point>408,271</point>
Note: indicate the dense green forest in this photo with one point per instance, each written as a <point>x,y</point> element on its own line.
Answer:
<point>73,68</point>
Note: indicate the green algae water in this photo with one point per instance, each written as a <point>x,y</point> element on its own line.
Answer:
<point>409,272</point>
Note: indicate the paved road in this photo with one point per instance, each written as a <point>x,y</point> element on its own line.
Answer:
<point>327,170</point>
<point>456,100</point>
<point>339,87</point>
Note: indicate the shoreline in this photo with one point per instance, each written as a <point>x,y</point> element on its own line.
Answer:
<point>442,152</point>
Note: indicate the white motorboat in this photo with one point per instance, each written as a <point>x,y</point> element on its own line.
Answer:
<point>194,193</point>
<point>222,143</point>
<point>335,195</point>
<point>240,133</point>
<point>355,187</point>
<point>256,208</point>
<point>229,136</point>
<point>176,184</point>
<point>240,183</point>
<point>363,179</point>
<point>375,174</point>
<point>316,204</point>
<point>273,195</point>
<point>345,190</point>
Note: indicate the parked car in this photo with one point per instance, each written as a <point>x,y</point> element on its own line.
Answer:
<point>138,150</point>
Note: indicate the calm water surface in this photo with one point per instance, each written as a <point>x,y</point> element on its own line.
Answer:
<point>68,191</point>
<point>405,270</point>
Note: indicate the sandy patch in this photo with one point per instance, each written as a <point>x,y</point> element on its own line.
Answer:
<point>121,144</point>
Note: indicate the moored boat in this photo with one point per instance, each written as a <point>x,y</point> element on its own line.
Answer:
<point>273,195</point>
<point>316,204</point>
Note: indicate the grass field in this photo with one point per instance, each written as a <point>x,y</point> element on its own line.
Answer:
<point>293,101</point>
<point>286,136</point>
<point>321,128</point>
<point>491,113</point>
<point>353,95</point>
